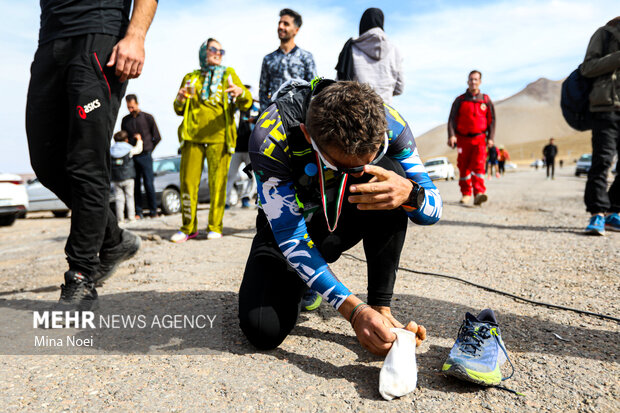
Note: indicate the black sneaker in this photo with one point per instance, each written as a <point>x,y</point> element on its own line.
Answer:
<point>77,293</point>
<point>110,259</point>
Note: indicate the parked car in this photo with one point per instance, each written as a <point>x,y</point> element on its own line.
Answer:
<point>510,166</point>
<point>42,199</point>
<point>583,164</point>
<point>538,163</point>
<point>167,184</point>
<point>439,168</point>
<point>13,198</point>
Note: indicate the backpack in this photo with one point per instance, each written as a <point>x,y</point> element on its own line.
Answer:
<point>575,101</point>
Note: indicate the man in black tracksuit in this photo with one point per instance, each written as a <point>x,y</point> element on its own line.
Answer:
<point>550,151</point>
<point>86,53</point>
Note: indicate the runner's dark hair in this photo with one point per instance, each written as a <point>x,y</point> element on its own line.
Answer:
<point>348,115</point>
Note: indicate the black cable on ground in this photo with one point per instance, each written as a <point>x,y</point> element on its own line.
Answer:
<point>493,290</point>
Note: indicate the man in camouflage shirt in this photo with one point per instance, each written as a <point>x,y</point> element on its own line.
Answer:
<point>287,62</point>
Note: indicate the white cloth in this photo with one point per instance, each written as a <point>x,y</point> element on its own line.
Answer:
<point>377,61</point>
<point>399,374</point>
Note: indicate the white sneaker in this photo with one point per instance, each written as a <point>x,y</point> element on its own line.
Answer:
<point>214,235</point>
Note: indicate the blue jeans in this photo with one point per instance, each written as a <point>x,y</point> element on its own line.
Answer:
<point>144,170</point>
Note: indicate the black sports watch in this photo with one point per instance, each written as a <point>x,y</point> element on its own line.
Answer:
<point>416,196</point>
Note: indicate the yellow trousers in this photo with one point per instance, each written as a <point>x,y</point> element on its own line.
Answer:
<point>192,160</point>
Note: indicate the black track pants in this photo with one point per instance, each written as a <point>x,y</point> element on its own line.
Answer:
<point>605,144</point>
<point>73,101</point>
<point>271,291</point>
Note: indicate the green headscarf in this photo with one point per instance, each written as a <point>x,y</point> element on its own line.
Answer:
<point>213,74</point>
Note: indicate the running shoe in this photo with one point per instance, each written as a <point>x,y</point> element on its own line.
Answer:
<point>78,293</point>
<point>110,258</point>
<point>480,198</point>
<point>612,222</point>
<point>596,225</point>
<point>465,199</point>
<point>214,235</point>
<point>245,202</point>
<point>478,352</point>
<point>181,236</point>
<point>311,300</point>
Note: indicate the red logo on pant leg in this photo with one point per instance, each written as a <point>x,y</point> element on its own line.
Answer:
<point>81,113</point>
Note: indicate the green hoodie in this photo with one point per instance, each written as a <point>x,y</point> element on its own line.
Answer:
<point>211,121</point>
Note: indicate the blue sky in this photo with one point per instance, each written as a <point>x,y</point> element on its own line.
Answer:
<point>512,43</point>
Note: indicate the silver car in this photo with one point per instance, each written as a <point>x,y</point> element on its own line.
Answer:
<point>42,199</point>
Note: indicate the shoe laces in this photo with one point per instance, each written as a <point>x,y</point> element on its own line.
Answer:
<point>74,291</point>
<point>472,337</point>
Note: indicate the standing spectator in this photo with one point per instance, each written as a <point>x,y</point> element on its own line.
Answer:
<point>124,173</point>
<point>287,62</point>
<point>502,157</point>
<point>549,153</point>
<point>86,53</point>
<point>492,159</point>
<point>371,58</point>
<point>601,63</point>
<point>471,124</point>
<point>247,121</point>
<point>207,100</point>
<point>139,123</point>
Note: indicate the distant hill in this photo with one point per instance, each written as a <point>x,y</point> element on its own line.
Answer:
<point>525,122</point>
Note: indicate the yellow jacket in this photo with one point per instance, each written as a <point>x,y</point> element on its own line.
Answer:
<point>211,121</point>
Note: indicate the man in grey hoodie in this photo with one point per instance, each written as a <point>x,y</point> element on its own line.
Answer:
<point>371,58</point>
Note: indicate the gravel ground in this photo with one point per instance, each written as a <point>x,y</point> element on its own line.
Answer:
<point>526,240</point>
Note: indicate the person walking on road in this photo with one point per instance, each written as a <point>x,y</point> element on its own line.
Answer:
<point>334,166</point>
<point>142,124</point>
<point>86,53</point>
<point>207,100</point>
<point>492,159</point>
<point>371,58</point>
<point>247,120</point>
<point>601,63</point>
<point>124,174</point>
<point>502,157</point>
<point>288,62</point>
<point>550,151</point>
<point>470,125</point>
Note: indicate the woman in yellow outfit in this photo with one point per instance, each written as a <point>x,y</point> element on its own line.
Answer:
<point>207,100</point>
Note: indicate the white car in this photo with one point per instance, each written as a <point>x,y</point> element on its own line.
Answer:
<point>42,199</point>
<point>439,168</point>
<point>13,198</point>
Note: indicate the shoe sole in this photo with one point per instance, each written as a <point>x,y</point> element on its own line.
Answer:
<point>612,228</point>
<point>480,199</point>
<point>460,372</point>
<point>99,281</point>
<point>594,232</point>
<point>315,304</point>
<point>190,236</point>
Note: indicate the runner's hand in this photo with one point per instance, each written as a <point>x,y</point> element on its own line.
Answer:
<point>128,56</point>
<point>419,331</point>
<point>373,331</point>
<point>385,190</point>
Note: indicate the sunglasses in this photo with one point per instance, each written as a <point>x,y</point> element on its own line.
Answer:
<point>355,169</point>
<point>216,50</point>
